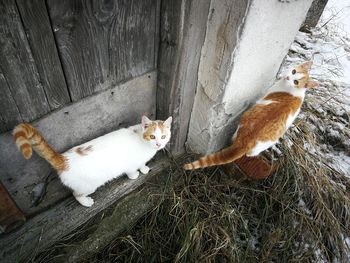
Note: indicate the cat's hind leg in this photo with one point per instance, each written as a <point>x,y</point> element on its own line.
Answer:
<point>133,175</point>
<point>144,169</point>
<point>83,199</point>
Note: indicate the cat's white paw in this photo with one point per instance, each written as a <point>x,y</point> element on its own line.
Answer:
<point>134,175</point>
<point>85,200</point>
<point>145,169</point>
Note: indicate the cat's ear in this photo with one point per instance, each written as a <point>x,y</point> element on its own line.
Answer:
<point>311,84</point>
<point>145,122</point>
<point>307,65</point>
<point>168,121</point>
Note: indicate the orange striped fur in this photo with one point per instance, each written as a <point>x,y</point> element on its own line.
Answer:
<point>261,123</point>
<point>28,138</point>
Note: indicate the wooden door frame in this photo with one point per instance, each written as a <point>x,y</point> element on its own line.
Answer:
<point>183,25</point>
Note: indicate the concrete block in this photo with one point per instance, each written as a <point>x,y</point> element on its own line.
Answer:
<point>243,49</point>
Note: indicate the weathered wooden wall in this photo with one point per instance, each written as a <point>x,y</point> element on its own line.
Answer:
<point>76,69</point>
<point>103,42</point>
<point>20,76</point>
<point>56,52</point>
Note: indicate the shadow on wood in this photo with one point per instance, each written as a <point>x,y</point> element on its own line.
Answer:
<point>10,215</point>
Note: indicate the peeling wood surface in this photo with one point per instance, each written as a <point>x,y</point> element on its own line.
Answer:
<point>103,42</point>
<point>50,226</point>
<point>182,32</point>
<point>72,125</point>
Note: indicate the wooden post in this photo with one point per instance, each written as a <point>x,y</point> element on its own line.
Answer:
<point>10,215</point>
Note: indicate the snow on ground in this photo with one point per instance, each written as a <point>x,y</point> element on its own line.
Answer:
<point>328,46</point>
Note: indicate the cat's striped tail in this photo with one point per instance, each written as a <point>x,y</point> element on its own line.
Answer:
<point>224,156</point>
<point>27,137</point>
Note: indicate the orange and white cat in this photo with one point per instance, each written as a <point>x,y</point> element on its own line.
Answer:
<point>264,123</point>
<point>86,167</point>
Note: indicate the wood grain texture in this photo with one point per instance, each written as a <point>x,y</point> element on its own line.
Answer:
<point>42,43</point>
<point>72,125</point>
<point>182,32</point>
<point>9,114</point>
<point>18,67</point>
<point>52,225</point>
<point>103,42</point>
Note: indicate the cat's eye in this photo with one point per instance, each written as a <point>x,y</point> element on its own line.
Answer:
<point>294,71</point>
<point>152,137</point>
<point>296,82</point>
<point>163,137</point>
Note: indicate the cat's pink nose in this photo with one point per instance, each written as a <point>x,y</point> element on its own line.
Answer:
<point>158,144</point>
<point>287,78</point>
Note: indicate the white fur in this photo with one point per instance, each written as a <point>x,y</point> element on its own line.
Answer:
<point>284,85</point>
<point>111,155</point>
<point>261,146</point>
<point>264,102</point>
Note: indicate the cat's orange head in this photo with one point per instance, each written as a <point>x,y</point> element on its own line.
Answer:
<point>298,76</point>
<point>156,133</point>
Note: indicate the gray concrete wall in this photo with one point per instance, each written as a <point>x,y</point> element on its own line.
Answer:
<point>244,46</point>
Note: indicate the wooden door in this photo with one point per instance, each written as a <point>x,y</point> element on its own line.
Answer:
<point>76,69</point>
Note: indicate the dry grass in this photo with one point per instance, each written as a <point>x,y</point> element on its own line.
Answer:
<point>300,214</point>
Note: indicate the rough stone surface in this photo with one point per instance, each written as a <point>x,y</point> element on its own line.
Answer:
<point>243,49</point>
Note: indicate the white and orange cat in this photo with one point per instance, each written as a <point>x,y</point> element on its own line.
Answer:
<point>264,123</point>
<point>86,167</point>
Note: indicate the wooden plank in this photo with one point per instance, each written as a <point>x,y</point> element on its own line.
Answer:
<point>50,226</point>
<point>103,42</point>
<point>9,114</point>
<point>72,125</point>
<point>182,32</point>
<point>42,43</point>
<point>17,65</point>
<point>170,35</point>
<point>157,34</point>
